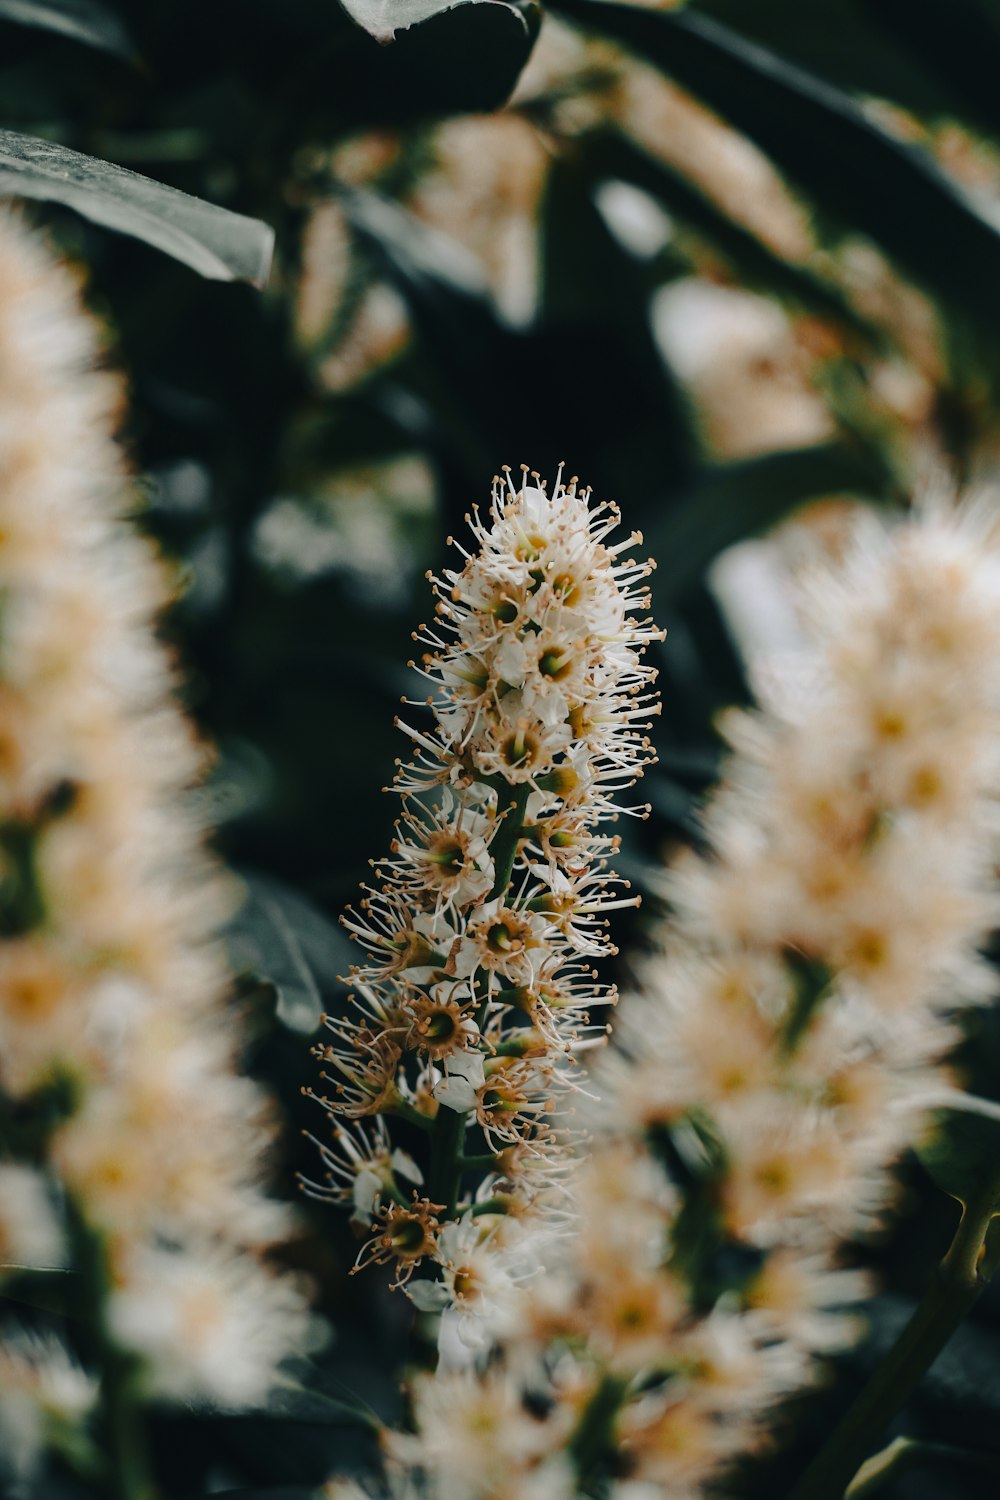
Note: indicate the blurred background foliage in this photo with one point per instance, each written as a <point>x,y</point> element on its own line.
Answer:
<point>729,260</point>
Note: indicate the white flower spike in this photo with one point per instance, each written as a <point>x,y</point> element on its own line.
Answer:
<point>479,929</point>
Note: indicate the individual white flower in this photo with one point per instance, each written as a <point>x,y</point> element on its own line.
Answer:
<point>361,1165</point>
<point>479,1274</point>
<point>210,1325</point>
<point>476,1438</point>
<point>499,941</point>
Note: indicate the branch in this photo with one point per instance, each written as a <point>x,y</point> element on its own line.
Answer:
<point>957,1283</point>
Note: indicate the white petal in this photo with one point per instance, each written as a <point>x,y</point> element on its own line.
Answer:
<point>402,1163</point>
<point>367,1186</point>
<point>511,660</point>
<point>468,1065</point>
<point>456,1094</point>
<point>427,1296</point>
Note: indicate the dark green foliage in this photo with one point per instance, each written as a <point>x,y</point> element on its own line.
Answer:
<point>218,244</point>
<point>822,138</point>
<point>83,20</point>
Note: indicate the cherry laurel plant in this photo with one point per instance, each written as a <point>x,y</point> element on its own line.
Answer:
<point>784,1044</point>
<point>480,930</point>
<point>130,1150</point>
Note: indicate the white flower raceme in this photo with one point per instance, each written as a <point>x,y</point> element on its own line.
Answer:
<point>482,923</point>
<point>115,1040</point>
<point>782,1047</point>
<point>779,1052</point>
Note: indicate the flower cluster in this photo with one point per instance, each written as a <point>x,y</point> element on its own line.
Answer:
<point>481,926</point>
<point>788,1034</point>
<point>130,1144</point>
<point>782,1048</point>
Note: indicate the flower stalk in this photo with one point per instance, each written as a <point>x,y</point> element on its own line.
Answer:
<point>120,1415</point>
<point>447,1160</point>
<point>963,1275</point>
<point>904,1454</point>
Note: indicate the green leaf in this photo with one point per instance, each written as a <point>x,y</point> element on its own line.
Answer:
<point>731,501</point>
<point>956,42</point>
<point>835,39</point>
<point>291,1401</point>
<point>875,183</point>
<point>81,20</point>
<point>462,60</point>
<point>280,937</point>
<point>383,18</point>
<point>52,1290</point>
<point>221,245</point>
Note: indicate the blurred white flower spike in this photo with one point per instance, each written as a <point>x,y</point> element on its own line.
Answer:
<point>480,928</point>
<point>116,1045</point>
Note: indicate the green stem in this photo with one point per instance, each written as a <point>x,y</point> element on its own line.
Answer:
<point>487,1206</point>
<point>482,1163</point>
<point>903,1454</point>
<point>448,1159</point>
<point>448,1138</point>
<point>422,1355</point>
<point>404,1110</point>
<point>591,1443</point>
<point>958,1282</point>
<point>122,1430</point>
<point>504,846</point>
